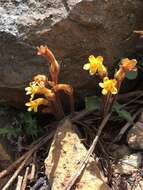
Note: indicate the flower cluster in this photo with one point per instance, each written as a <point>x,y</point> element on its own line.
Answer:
<point>49,89</point>
<point>109,86</point>
<point>126,66</point>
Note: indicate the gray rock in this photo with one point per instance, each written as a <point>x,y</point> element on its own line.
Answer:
<point>129,163</point>
<point>73,29</point>
<point>135,136</point>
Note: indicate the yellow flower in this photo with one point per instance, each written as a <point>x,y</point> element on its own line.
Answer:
<point>32,89</point>
<point>35,89</point>
<point>95,65</point>
<point>129,65</point>
<point>33,105</point>
<point>109,86</point>
<point>40,80</point>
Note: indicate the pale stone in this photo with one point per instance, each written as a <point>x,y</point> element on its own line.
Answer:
<point>64,157</point>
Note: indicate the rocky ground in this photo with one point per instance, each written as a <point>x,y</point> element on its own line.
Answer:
<point>118,152</point>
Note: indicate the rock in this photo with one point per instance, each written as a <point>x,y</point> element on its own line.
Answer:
<point>73,29</point>
<point>64,158</point>
<point>129,163</point>
<point>135,135</point>
<point>139,185</point>
<point>118,151</point>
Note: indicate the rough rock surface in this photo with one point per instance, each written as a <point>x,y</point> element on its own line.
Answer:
<point>73,29</point>
<point>135,135</point>
<point>129,163</point>
<point>64,159</point>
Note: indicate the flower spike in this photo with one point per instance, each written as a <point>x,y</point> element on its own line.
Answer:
<point>129,65</point>
<point>126,65</point>
<point>54,67</point>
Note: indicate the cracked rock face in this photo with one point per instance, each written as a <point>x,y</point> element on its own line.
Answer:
<point>73,29</point>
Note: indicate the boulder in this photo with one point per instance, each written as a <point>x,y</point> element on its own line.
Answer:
<point>135,135</point>
<point>64,159</point>
<point>73,29</point>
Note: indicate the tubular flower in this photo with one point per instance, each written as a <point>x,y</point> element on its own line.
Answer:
<point>109,86</point>
<point>33,105</point>
<point>49,94</point>
<point>65,87</point>
<point>40,80</point>
<point>32,90</point>
<point>129,65</point>
<point>126,65</point>
<point>54,67</point>
<point>95,65</point>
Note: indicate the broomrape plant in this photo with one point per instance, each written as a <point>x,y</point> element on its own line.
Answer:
<point>49,89</point>
<point>110,87</point>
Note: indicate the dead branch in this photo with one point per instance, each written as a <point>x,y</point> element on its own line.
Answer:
<point>19,160</point>
<point>13,166</point>
<point>89,153</point>
<point>14,176</point>
<point>81,114</point>
<point>19,182</point>
<point>128,95</point>
<point>24,162</point>
<point>25,179</point>
<point>140,32</point>
<point>33,169</point>
<point>32,173</point>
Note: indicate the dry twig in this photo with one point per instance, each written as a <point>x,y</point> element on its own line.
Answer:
<point>129,95</point>
<point>33,169</point>
<point>24,162</point>
<point>89,153</point>
<point>25,179</point>
<point>14,176</point>
<point>13,166</point>
<point>19,182</point>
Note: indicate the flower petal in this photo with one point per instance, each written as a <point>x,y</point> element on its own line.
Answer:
<point>28,104</point>
<point>101,85</point>
<point>35,108</point>
<point>86,66</point>
<point>91,72</point>
<point>104,92</point>
<point>92,59</point>
<point>105,79</point>
<point>29,109</point>
<point>99,60</point>
<point>114,91</point>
